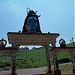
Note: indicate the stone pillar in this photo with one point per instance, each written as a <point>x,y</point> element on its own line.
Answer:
<point>55,61</point>
<point>56,66</point>
<point>13,63</point>
<point>73,62</point>
<point>48,58</point>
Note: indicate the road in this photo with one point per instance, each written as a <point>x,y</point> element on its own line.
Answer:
<point>29,71</point>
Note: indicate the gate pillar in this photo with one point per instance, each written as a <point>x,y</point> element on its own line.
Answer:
<point>48,58</point>
<point>56,65</point>
<point>13,63</point>
<point>73,62</point>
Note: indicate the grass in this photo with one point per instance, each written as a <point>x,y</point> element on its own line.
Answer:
<point>66,67</point>
<point>32,58</point>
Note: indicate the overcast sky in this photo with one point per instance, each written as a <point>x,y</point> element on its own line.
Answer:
<point>57,16</point>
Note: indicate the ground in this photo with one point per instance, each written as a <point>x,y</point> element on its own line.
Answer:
<point>33,71</point>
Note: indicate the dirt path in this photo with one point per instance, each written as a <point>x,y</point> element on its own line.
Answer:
<point>30,71</point>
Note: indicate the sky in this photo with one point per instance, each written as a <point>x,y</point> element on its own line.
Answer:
<point>57,16</point>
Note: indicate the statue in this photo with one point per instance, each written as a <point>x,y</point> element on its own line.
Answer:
<point>31,24</point>
<point>3,43</point>
<point>62,43</point>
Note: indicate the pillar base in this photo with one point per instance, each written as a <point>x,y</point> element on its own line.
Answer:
<point>74,71</point>
<point>13,74</point>
<point>49,71</point>
<point>57,72</point>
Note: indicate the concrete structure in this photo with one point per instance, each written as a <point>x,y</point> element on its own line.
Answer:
<point>43,39</point>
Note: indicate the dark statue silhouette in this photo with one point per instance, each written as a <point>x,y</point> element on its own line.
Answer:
<point>31,24</point>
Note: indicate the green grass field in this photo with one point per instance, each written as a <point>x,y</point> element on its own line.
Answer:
<point>29,58</point>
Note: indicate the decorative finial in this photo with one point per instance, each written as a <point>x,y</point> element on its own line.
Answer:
<point>62,43</point>
<point>3,43</point>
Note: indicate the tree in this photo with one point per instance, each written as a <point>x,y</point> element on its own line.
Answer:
<point>72,40</point>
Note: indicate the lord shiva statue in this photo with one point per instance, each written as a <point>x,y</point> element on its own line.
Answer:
<point>31,23</point>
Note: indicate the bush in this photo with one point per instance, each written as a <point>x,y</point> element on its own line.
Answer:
<point>64,60</point>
